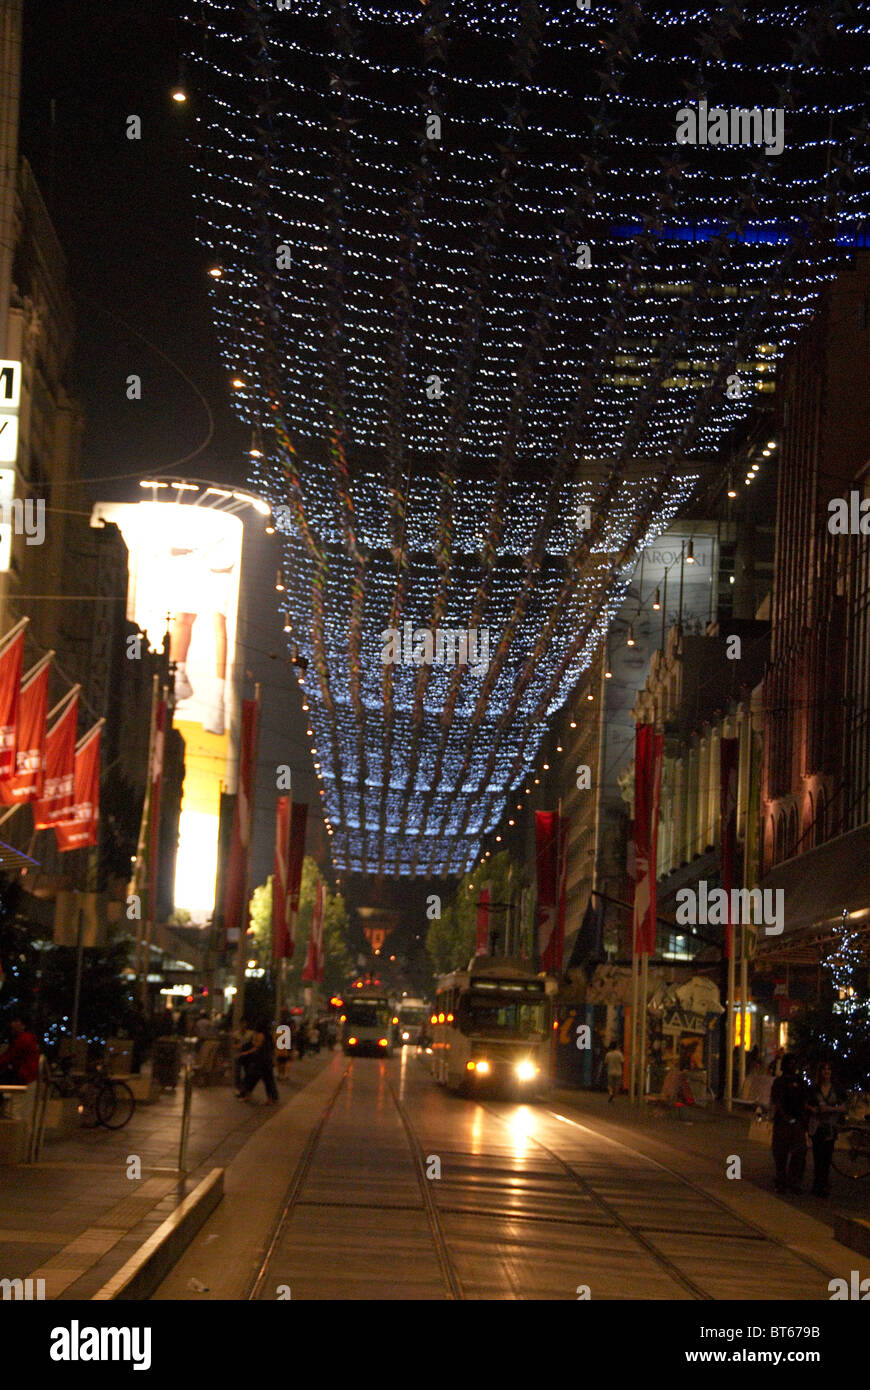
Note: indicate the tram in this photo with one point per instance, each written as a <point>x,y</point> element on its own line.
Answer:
<point>367,1022</point>
<point>492,1029</point>
<point>412,1016</point>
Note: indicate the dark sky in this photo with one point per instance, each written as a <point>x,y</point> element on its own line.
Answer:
<point>124,212</point>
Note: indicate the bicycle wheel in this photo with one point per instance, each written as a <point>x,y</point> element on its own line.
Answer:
<point>88,1093</point>
<point>122,1105</point>
<point>853,1160</point>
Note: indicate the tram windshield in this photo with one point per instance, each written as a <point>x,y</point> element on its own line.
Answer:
<point>514,1018</point>
<point>414,1015</point>
<point>363,1014</point>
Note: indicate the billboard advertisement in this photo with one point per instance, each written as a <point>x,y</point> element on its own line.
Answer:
<point>184,564</point>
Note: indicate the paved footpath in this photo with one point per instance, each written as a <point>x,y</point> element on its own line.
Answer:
<point>709,1132</point>
<point>75,1217</point>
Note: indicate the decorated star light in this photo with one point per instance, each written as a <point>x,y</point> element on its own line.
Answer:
<point>494,322</point>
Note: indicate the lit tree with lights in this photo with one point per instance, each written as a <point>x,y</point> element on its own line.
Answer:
<point>838,1027</point>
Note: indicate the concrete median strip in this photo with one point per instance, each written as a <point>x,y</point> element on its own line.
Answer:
<point>142,1273</point>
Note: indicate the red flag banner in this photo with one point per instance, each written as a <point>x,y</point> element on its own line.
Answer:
<point>26,782</point>
<point>10,695</point>
<point>481,940</point>
<point>729,750</point>
<point>82,825</point>
<point>298,823</point>
<point>58,779</point>
<point>648,752</point>
<point>314,961</point>
<point>280,897</point>
<point>235,907</point>
<point>550,845</point>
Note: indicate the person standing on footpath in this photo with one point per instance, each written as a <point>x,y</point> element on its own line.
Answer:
<point>826,1104</point>
<point>788,1101</point>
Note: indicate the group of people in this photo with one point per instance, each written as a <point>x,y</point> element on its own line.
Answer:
<point>799,1112</point>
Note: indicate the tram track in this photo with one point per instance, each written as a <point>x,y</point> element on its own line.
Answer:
<point>294,1189</point>
<point>613,1215</point>
<point>758,1232</point>
<point>293,1197</point>
<point>641,1237</point>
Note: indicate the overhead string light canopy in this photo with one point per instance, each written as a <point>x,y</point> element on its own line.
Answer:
<point>494,323</point>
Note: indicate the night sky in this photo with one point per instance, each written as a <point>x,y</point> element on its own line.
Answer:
<point>124,212</point>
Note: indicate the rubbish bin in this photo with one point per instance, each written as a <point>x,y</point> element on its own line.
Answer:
<point>166,1063</point>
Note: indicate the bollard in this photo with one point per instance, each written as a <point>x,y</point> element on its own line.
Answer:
<point>185,1118</point>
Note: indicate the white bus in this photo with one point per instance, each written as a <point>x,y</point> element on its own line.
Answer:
<point>492,1029</point>
<point>367,1022</point>
<point>412,1015</point>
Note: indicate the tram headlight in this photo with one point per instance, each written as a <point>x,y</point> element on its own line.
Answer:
<point>382,1042</point>
<point>526,1071</point>
<point>351,1042</point>
<point>482,1068</point>
<point>406,1037</point>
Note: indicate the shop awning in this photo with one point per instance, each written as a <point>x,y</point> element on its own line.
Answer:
<point>820,885</point>
<point>11,858</point>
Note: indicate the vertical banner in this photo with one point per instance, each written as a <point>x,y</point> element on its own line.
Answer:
<point>728,806</point>
<point>235,907</point>
<point>10,695</point>
<point>280,898</point>
<point>81,826</point>
<point>298,823</point>
<point>314,961</point>
<point>58,778</point>
<point>481,938</point>
<point>550,841</point>
<point>647,790</point>
<point>26,782</point>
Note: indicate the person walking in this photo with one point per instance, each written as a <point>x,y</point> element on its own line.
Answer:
<point>614,1062</point>
<point>826,1104</point>
<point>788,1101</point>
<point>260,1065</point>
<point>240,1064</point>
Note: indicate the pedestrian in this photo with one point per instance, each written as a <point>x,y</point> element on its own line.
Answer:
<point>300,1039</point>
<point>826,1104</point>
<point>788,1100</point>
<point>243,1042</point>
<point>19,1063</point>
<point>614,1063</point>
<point>260,1064</point>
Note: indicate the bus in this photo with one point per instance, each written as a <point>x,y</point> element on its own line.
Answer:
<point>366,1022</point>
<point>412,1015</point>
<point>492,1029</point>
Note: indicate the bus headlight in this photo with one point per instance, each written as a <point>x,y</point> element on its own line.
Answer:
<point>482,1068</point>
<point>526,1071</point>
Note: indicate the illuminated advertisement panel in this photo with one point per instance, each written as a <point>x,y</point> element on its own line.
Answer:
<point>184,564</point>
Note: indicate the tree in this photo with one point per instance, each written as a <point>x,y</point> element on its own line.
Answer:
<point>450,938</point>
<point>837,1027</point>
<point>337,957</point>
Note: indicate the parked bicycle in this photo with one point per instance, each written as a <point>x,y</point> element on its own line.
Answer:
<point>103,1100</point>
<point>851,1156</point>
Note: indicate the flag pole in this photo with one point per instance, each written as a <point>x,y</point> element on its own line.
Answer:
<point>242,948</point>
<point>153,849</point>
<point>138,868</point>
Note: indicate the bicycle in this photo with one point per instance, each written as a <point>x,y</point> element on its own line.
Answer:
<point>103,1100</point>
<point>852,1158</point>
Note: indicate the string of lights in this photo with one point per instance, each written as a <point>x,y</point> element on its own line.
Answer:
<point>473,288</point>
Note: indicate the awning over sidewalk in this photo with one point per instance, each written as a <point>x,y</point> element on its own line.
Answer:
<point>12,859</point>
<point>821,884</point>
